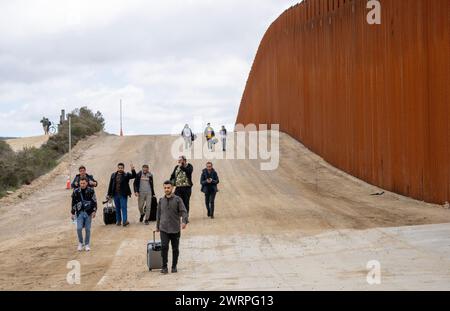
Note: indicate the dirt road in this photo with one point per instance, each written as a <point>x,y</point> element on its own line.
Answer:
<point>19,144</point>
<point>304,226</point>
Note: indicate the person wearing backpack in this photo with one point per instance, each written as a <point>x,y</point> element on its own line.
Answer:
<point>210,136</point>
<point>84,209</point>
<point>188,137</point>
<point>209,181</point>
<point>45,125</point>
<point>181,178</point>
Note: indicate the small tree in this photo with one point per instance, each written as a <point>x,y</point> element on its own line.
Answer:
<point>25,166</point>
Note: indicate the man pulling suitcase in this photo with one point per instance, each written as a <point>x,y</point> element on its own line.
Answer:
<point>171,217</point>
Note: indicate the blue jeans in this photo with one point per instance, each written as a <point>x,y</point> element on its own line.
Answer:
<point>84,221</point>
<point>210,144</point>
<point>121,203</point>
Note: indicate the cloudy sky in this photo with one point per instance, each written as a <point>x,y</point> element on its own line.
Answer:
<point>171,61</point>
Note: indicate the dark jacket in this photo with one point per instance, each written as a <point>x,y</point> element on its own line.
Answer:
<point>137,183</point>
<point>169,214</point>
<point>125,189</point>
<point>206,187</point>
<point>188,170</point>
<point>192,134</point>
<point>76,181</point>
<point>90,201</point>
<point>213,134</point>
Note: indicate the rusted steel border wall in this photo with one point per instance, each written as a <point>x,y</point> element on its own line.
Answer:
<point>372,100</point>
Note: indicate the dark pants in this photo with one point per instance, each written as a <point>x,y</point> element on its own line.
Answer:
<point>210,197</point>
<point>185,194</point>
<point>174,239</point>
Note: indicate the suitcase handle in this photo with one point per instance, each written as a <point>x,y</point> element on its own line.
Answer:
<point>108,204</point>
<point>154,237</point>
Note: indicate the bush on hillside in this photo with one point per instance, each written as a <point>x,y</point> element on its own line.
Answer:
<point>5,149</point>
<point>84,123</point>
<point>23,167</point>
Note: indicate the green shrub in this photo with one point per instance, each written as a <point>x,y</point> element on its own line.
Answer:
<point>84,123</point>
<point>25,166</point>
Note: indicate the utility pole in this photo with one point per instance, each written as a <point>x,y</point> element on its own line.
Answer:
<point>70,147</point>
<point>121,122</point>
<point>69,177</point>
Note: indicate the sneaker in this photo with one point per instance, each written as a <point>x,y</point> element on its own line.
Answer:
<point>126,223</point>
<point>80,247</point>
<point>174,270</point>
<point>88,248</point>
<point>142,218</point>
<point>164,271</point>
<point>118,223</point>
<point>212,216</point>
<point>147,222</point>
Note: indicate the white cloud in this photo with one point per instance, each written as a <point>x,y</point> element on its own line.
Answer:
<point>24,18</point>
<point>170,61</point>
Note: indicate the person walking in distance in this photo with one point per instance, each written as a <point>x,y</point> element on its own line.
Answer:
<point>82,174</point>
<point>210,136</point>
<point>223,138</point>
<point>209,181</point>
<point>181,178</point>
<point>171,217</point>
<point>119,190</point>
<point>187,136</point>
<point>145,191</point>
<point>84,208</point>
<point>46,125</point>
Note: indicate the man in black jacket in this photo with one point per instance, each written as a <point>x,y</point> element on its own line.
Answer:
<point>182,179</point>
<point>145,191</point>
<point>84,208</point>
<point>82,173</point>
<point>209,181</point>
<point>119,190</point>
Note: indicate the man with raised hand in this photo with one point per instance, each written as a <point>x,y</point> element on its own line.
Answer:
<point>119,190</point>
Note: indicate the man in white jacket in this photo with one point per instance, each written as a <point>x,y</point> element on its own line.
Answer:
<point>187,135</point>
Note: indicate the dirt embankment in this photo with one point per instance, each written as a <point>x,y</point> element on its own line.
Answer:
<point>305,225</point>
<point>19,144</point>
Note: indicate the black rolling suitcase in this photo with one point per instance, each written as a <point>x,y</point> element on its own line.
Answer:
<point>154,259</point>
<point>153,209</point>
<point>109,213</point>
